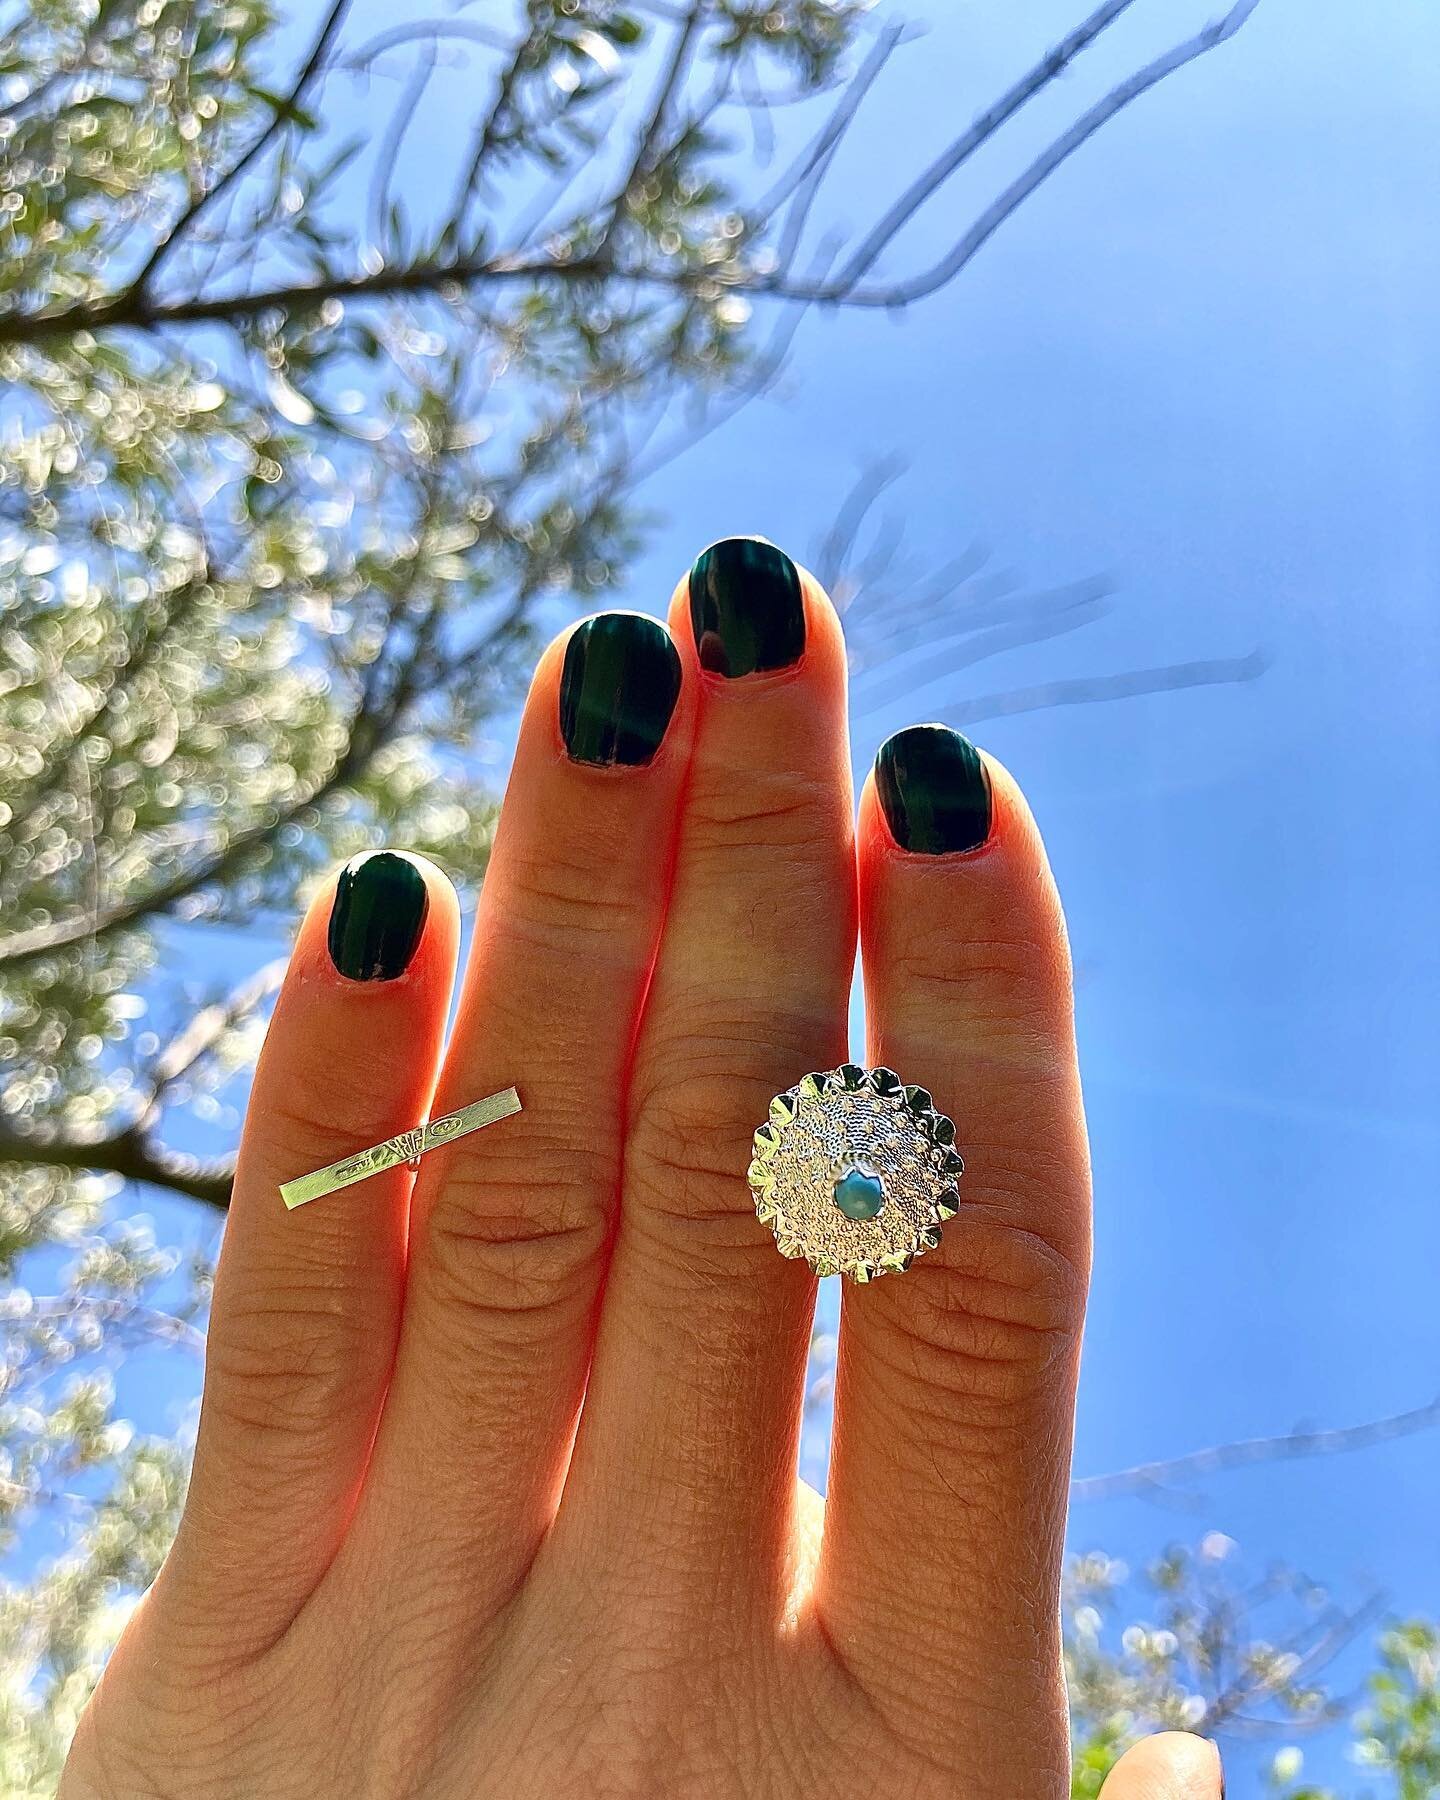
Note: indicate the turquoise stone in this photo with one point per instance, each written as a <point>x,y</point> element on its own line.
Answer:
<point>859,1195</point>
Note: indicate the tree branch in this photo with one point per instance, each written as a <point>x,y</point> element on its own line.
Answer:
<point>487,131</point>
<point>137,658</point>
<point>128,1154</point>
<point>1047,70</point>
<point>1144,1478</point>
<point>1088,690</point>
<point>643,157</point>
<point>368,731</point>
<point>947,657</point>
<point>1045,165</point>
<point>203,1032</point>
<point>280,116</point>
<point>134,308</point>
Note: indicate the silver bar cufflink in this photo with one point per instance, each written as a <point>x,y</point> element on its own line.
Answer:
<point>408,1147</point>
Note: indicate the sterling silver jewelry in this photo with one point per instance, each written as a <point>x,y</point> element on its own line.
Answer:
<point>855,1172</point>
<point>407,1148</point>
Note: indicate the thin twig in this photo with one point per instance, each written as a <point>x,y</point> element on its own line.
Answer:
<point>280,116</point>
<point>644,158</point>
<point>1044,165</point>
<point>205,1030</point>
<point>1048,69</point>
<point>1245,1452</point>
<point>1090,689</point>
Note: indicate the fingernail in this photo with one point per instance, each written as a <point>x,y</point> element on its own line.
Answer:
<point>934,790</point>
<point>378,915</point>
<point>618,689</point>
<point>747,607</point>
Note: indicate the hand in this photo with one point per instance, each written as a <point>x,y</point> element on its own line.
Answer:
<point>410,1563</point>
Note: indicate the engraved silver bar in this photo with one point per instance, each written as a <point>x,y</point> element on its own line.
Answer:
<point>408,1147</point>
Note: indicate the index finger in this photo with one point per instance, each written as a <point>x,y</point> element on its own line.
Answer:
<point>307,1303</point>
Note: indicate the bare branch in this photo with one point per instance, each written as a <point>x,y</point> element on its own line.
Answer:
<point>1045,165</point>
<point>428,31</point>
<point>399,124</point>
<point>1246,1452</point>
<point>967,648</point>
<point>1339,1630</point>
<point>1088,690</point>
<point>1048,69</point>
<point>838,544</point>
<point>833,131</point>
<point>487,130</point>
<point>205,1030</point>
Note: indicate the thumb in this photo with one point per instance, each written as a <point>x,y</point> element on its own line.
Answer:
<point>1173,1766</point>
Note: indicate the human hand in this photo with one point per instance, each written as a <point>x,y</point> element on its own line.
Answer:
<point>411,1563</point>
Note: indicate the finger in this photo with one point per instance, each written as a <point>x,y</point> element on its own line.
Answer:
<point>1174,1765</point>
<point>307,1303</point>
<point>684,1471</point>
<point>511,1226</point>
<point>956,1379</point>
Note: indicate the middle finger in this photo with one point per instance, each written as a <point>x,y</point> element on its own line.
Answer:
<point>684,1471</point>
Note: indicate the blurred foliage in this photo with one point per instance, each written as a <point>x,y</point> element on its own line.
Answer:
<point>1397,1731</point>
<point>1192,1645</point>
<point>304,447</point>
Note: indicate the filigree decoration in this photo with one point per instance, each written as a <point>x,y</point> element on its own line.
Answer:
<point>832,1126</point>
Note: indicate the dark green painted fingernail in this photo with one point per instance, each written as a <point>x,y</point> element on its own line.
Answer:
<point>934,790</point>
<point>747,607</point>
<point>379,913</point>
<point>618,689</point>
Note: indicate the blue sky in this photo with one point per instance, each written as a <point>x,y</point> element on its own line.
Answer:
<point>1202,362</point>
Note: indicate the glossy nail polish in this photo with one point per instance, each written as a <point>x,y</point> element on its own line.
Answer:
<point>377,917</point>
<point>934,790</point>
<point>618,688</point>
<point>747,607</point>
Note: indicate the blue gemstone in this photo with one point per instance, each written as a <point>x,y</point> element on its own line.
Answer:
<point>859,1195</point>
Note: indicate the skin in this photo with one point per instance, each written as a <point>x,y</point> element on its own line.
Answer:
<point>408,1565</point>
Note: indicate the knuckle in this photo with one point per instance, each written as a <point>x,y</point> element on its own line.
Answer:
<point>708,1090</point>
<point>521,1238</point>
<point>287,1365</point>
<point>690,1127</point>
<point>688,1155</point>
<point>987,1323</point>
<point>1040,1180</point>
<point>721,1057</point>
<point>314,1115</point>
<point>769,810</point>
<point>1023,980</point>
<point>575,889</point>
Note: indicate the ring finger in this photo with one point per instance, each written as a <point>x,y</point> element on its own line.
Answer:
<point>956,1381</point>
